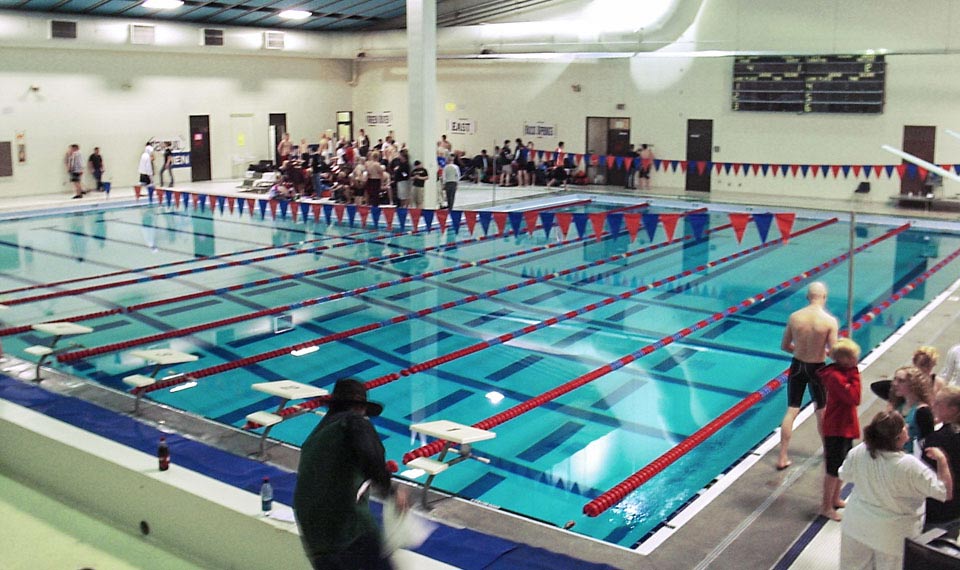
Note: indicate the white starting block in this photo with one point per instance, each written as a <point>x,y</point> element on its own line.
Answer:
<point>286,390</point>
<point>58,330</point>
<point>159,357</point>
<point>452,434</point>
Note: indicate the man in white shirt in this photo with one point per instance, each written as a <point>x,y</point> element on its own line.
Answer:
<point>146,166</point>
<point>451,176</point>
<point>75,169</point>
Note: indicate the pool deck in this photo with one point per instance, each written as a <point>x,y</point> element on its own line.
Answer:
<point>761,512</point>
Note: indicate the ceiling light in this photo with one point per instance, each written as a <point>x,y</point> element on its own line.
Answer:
<point>162,4</point>
<point>295,14</point>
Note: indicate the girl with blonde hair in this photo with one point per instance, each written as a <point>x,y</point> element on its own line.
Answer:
<point>911,396</point>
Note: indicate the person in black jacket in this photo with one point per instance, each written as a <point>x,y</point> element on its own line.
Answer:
<point>946,407</point>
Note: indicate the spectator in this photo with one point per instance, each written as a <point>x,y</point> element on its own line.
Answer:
<point>96,167</point>
<point>481,166</point>
<point>646,166</point>
<point>364,141</point>
<point>530,167</point>
<point>333,512</point>
<point>520,160</point>
<point>400,173</point>
<point>841,426</point>
<point>887,504</point>
<point>634,158</point>
<point>74,163</point>
<point>285,148</point>
<point>910,395</point>
<point>950,375</point>
<point>506,164</point>
<point>451,176</point>
<point>946,407</point>
<point>167,162</point>
<point>925,359</point>
<point>375,174</point>
<point>419,177</point>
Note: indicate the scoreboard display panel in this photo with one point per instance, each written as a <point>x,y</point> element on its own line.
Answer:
<point>809,84</point>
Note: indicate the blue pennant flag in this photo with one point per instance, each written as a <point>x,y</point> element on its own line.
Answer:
<point>169,199</point>
<point>726,167</point>
<point>618,162</point>
<point>764,168</point>
<point>456,216</point>
<point>912,170</point>
<point>615,223</point>
<point>650,222</point>
<point>547,219</point>
<point>580,222</point>
<point>304,211</point>
<point>327,210</point>
<point>402,216</point>
<point>845,168</point>
<point>203,202</point>
<point>283,209</point>
<point>375,215</point>
<point>889,168</point>
<point>428,219</point>
<point>656,163</point>
<point>263,209</point>
<point>351,214</point>
<point>240,203</point>
<point>150,193</point>
<point>586,158</point>
<point>221,200</point>
<point>804,168</point>
<point>485,218</point>
<point>763,224</point>
<point>516,220</point>
<point>698,223</point>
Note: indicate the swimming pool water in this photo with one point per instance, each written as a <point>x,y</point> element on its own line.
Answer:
<point>546,463</point>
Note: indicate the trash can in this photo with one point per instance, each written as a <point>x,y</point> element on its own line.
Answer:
<point>106,187</point>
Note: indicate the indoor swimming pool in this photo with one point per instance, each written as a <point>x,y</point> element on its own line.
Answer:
<point>590,356</point>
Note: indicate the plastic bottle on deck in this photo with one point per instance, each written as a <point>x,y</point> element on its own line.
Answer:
<point>163,454</point>
<point>266,496</point>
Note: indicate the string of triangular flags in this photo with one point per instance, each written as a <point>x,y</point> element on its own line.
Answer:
<point>594,224</point>
<point>749,168</point>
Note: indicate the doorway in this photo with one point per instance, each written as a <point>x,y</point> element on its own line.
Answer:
<point>345,125</point>
<point>608,136</point>
<point>920,142</point>
<point>199,147</point>
<point>699,154</point>
<point>278,126</point>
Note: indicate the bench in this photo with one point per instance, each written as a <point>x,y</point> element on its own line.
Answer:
<point>452,434</point>
<point>286,390</point>
<point>159,357</point>
<point>58,330</point>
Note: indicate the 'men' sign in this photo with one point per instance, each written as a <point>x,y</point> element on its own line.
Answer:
<point>540,130</point>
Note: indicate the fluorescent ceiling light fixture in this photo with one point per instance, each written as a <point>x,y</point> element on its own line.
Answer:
<point>162,4</point>
<point>295,14</point>
<point>182,387</point>
<point>304,351</point>
<point>495,397</point>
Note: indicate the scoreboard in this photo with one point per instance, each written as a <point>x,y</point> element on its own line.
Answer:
<point>809,84</point>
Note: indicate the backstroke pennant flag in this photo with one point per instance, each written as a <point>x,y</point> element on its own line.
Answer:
<point>785,224</point>
<point>739,223</point>
<point>763,224</point>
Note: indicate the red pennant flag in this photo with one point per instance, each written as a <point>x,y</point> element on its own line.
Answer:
<point>563,222</point>
<point>669,222</point>
<point>414,218</point>
<point>628,161</point>
<point>294,206</point>
<point>736,168</point>
<point>137,190</point>
<point>338,212</point>
<point>610,160</point>
<point>718,166</point>
<point>597,220</point>
<point>856,170</point>
<point>835,169</point>
<point>815,169</point>
<point>251,203</point>
<point>922,172</point>
<point>785,223</point>
<point>701,166</point>
<point>547,155</point>
<point>231,202</point>
<point>632,222</point>
<point>530,218</point>
<point>388,213</point>
<point>947,167</point>
<point>793,170</point>
<point>364,214</point>
<point>471,217</point>
<point>901,168</point>
<point>776,169</point>
<point>442,219</point>
<point>501,219</point>
<point>756,168</point>
<point>316,212</point>
<point>577,159</point>
<point>196,198</point>
<point>739,223</point>
<point>273,209</point>
<point>683,166</point>
<point>176,198</point>
<point>877,170</point>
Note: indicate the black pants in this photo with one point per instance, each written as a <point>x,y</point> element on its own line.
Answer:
<point>98,176</point>
<point>364,554</point>
<point>450,189</point>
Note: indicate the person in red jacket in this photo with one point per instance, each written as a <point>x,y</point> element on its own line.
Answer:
<point>841,380</point>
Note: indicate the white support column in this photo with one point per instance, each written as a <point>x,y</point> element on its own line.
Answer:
<point>422,90</point>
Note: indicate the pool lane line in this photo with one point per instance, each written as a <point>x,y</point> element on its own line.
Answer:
<point>147,279</point>
<point>493,421</point>
<point>630,484</point>
<point>407,316</point>
<point>507,337</point>
<point>85,353</point>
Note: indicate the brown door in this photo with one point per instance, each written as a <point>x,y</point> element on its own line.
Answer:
<point>699,149</point>
<point>278,126</point>
<point>918,141</point>
<point>199,147</point>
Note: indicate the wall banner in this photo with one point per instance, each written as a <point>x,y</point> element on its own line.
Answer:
<point>381,119</point>
<point>539,130</point>
<point>461,127</point>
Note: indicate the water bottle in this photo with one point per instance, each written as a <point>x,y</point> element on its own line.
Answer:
<point>163,454</point>
<point>266,496</point>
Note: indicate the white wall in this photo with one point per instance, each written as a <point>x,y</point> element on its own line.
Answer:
<point>117,101</point>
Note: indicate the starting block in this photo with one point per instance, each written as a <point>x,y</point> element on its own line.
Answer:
<point>286,390</point>
<point>452,434</point>
<point>58,330</point>
<point>159,358</point>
